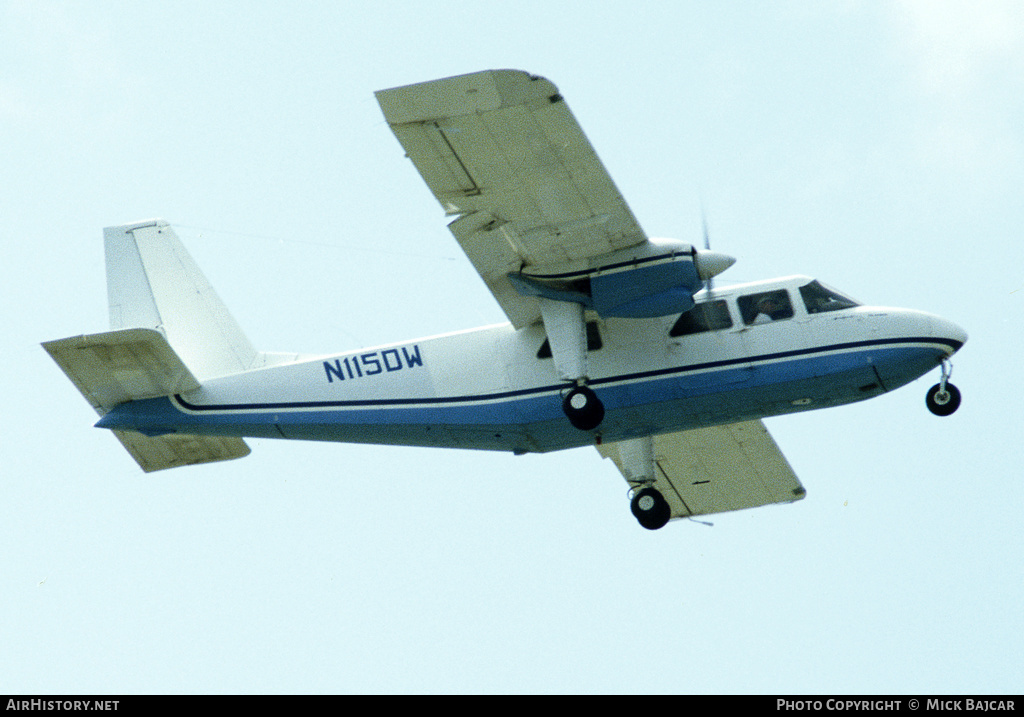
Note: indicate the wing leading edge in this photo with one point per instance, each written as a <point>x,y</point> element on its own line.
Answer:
<point>718,469</point>
<point>502,150</point>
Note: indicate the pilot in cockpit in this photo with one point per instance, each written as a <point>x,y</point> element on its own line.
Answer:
<point>770,307</point>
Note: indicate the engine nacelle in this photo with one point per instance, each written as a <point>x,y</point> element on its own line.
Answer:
<point>655,278</point>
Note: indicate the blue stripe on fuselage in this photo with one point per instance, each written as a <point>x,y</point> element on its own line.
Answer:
<point>732,389</point>
<point>747,362</point>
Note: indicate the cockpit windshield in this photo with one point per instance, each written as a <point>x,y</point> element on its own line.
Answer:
<point>819,298</point>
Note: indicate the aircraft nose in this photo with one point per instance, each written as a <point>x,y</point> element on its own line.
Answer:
<point>954,335</point>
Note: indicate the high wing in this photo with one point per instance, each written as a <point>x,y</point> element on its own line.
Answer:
<point>718,469</point>
<point>501,150</point>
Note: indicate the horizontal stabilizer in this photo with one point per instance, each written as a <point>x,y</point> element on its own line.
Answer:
<point>130,365</point>
<point>118,366</point>
<point>173,450</point>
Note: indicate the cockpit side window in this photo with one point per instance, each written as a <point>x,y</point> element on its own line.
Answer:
<point>705,316</point>
<point>765,307</point>
<point>819,298</point>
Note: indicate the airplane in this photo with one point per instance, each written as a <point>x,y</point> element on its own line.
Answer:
<point>614,339</point>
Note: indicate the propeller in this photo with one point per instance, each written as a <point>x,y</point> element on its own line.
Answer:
<point>710,263</point>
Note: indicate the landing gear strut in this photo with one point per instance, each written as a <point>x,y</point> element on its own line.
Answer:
<point>567,336</point>
<point>943,398</point>
<point>636,460</point>
<point>650,508</point>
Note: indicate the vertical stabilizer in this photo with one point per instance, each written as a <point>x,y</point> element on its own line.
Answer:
<point>153,282</point>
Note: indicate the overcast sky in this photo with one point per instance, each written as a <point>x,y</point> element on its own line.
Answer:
<point>877,146</point>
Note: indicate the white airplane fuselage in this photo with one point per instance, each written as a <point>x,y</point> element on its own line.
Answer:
<point>487,388</point>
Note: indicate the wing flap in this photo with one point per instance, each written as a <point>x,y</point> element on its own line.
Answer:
<point>719,469</point>
<point>492,248</point>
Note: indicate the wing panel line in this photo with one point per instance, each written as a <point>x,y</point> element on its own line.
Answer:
<point>672,485</point>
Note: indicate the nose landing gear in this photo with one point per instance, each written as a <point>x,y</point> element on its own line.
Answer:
<point>943,398</point>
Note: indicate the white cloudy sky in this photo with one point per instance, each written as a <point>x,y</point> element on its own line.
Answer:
<point>875,145</point>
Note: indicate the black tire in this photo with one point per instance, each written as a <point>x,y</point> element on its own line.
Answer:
<point>943,404</point>
<point>583,408</point>
<point>650,509</point>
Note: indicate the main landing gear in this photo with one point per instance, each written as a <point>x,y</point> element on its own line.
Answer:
<point>567,336</point>
<point>943,398</point>
<point>650,508</point>
<point>583,408</point>
<point>635,458</point>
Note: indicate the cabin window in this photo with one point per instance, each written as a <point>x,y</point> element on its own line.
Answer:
<point>765,307</point>
<point>819,298</point>
<point>593,341</point>
<point>705,316</point>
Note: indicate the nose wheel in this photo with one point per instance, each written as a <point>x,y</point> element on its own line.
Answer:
<point>943,402</point>
<point>943,398</point>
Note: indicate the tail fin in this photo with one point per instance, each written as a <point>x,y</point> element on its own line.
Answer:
<point>170,332</point>
<point>153,283</point>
